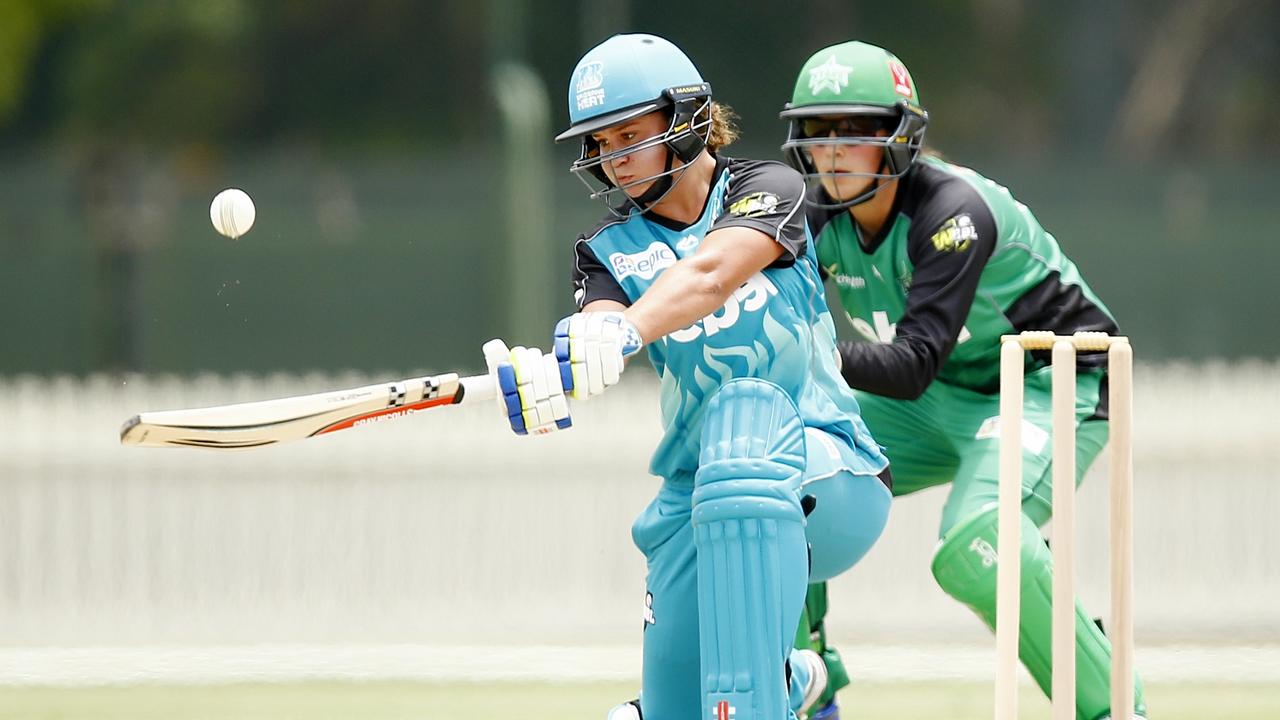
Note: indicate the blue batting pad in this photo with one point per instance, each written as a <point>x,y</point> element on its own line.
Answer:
<point>752,557</point>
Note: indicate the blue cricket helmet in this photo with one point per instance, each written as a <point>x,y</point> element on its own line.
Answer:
<point>623,78</point>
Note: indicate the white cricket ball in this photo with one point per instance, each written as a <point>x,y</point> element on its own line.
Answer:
<point>232,212</point>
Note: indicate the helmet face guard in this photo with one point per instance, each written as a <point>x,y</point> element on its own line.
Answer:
<point>685,138</point>
<point>619,80</point>
<point>854,94</point>
<point>900,146</point>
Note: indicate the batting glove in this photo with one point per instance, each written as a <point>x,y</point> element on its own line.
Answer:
<point>532,391</point>
<point>591,347</point>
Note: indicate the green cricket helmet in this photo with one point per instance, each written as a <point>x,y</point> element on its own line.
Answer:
<point>855,94</point>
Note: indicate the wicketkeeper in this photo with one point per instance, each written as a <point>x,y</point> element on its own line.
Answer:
<point>933,263</point>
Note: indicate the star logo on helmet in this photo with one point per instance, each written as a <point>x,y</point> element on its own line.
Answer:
<point>829,75</point>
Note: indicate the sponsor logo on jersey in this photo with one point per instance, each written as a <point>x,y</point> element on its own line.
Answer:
<point>956,234</point>
<point>687,243</point>
<point>901,80</point>
<point>648,611</point>
<point>882,331</point>
<point>830,75</point>
<point>752,296</point>
<point>644,264</point>
<point>853,282</point>
<point>755,205</point>
<point>589,85</point>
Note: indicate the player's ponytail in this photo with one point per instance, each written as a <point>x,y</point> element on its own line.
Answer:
<point>723,130</point>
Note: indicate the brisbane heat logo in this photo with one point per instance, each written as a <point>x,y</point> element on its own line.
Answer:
<point>588,86</point>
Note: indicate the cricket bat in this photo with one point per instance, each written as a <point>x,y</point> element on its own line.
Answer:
<point>269,422</point>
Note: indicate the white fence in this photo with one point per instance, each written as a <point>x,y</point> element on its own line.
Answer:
<point>445,529</point>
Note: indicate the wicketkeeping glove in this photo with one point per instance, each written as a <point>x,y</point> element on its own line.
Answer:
<point>591,347</point>
<point>532,390</point>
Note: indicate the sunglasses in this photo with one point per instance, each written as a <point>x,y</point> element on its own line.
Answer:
<point>847,126</point>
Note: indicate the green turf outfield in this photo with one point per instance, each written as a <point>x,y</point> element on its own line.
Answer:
<point>542,701</point>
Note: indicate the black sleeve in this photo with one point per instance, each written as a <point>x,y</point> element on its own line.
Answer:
<point>769,197</point>
<point>818,214</point>
<point>591,279</point>
<point>949,243</point>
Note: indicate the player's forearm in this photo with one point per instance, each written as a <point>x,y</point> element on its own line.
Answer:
<point>685,293</point>
<point>701,284</point>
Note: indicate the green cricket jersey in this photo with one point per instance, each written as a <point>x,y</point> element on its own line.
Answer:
<point>958,263</point>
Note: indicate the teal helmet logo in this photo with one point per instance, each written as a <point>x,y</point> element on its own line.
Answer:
<point>855,94</point>
<point>621,79</point>
<point>588,85</point>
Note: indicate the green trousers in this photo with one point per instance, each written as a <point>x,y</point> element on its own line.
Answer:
<point>952,435</point>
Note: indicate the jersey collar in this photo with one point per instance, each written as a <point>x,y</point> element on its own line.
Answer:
<point>870,245</point>
<point>668,223</point>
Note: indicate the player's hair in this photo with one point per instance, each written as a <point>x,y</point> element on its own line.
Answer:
<point>723,130</point>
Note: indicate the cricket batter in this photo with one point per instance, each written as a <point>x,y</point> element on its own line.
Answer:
<point>933,263</point>
<point>705,260</point>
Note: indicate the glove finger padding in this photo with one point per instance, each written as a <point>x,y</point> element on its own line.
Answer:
<point>591,349</point>
<point>531,388</point>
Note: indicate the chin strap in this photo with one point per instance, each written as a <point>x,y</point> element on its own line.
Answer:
<point>879,181</point>
<point>871,191</point>
<point>660,187</point>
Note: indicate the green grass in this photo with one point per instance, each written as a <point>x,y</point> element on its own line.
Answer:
<point>543,701</point>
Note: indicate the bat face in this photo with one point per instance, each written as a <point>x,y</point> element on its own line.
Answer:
<point>149,434</point>
<point>257,424</point>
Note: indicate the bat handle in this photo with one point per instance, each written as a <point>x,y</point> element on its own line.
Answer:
<point>479,387</point>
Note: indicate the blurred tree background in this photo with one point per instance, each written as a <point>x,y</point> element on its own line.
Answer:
<point>398,193</point>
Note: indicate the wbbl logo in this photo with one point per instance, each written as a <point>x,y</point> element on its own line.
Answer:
<point>588,87</point>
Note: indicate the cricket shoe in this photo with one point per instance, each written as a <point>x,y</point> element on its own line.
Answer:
<point>830,711</point>
<point>816,686</point>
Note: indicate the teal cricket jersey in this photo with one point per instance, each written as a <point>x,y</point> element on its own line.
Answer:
<point>775,327</point>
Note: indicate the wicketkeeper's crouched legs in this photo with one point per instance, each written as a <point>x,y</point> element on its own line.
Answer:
<point>812,634</point>
<point>965,566</point>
